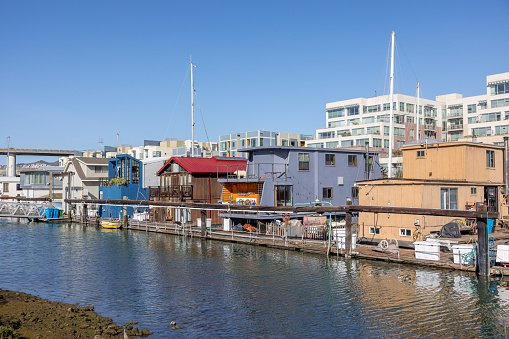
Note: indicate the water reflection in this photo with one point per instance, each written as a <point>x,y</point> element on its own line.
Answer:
<point>226,289</point>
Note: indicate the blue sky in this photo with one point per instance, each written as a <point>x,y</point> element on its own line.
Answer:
<point>72,72</point>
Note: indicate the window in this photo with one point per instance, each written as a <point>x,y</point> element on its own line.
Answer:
<point>490,158</point>
<point>448,198</point>
<point>499,89</point>
<point>377,142</point>
<point>352,160</point>
<point>347,143</point>
<point>405,232</point>
<point>473,190</point>
<point>371,109</point>
<point>322,135</point>
<point>402,106</point>
<point>368,120</point>
<point>500,103</point>
<point>335,113</point>
<point>355,191</point>
<point>330,159</point>
<point>327,193</point>
<point>481,132</point>
<point>304,161</point>
<point>502,129</point>
<point>339,123</point>
<point>374,230</point>
<point>420,154</point>
<point>332,144</point>
<point>6,187</point>
<point>472,108</point>
<point>410,108</point>
<point>373,130</point>
<point>354,110</point>
<point>361,142</point>
<point>357,131</point>
<point>156,154</point>
<point>134,154</point>
<point>34,179</point>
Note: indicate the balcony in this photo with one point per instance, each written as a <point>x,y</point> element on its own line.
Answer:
<point>454,127</point>
<point>454,115</point>
<point>256,172</point>
<point>177,191</point>
<point>109,182</point>
<point>429,127</point>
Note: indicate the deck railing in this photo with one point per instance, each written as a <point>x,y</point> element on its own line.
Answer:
<point>185,191</point>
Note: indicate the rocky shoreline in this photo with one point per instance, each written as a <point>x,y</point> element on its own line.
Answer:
<point>26,316</point>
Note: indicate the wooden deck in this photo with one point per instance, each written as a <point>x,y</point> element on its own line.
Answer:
<point>406,255</point>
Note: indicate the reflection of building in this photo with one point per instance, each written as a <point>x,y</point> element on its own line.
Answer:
<point>125,181</point>
<point>230,144</point>
<point>39,183</point>
<point>436,175</point>
<point>288,176</point>
<point>192,180</point>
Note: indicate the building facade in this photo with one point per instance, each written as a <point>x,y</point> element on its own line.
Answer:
<point>448,175</point>
<point>293,176</point>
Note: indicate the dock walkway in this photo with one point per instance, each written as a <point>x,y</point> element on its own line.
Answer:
<point>361,251</point>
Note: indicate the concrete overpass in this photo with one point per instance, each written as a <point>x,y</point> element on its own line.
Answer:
<point>13,152</point>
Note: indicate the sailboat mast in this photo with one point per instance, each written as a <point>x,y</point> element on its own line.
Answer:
<point>391,116</point>
<point>417,111</point>
<point>192,110</point>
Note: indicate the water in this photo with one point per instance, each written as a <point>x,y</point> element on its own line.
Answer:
<point>218,289</point>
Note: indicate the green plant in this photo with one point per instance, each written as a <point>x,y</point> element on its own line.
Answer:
<point>117,181</point>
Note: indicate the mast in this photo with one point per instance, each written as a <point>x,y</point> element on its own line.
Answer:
<point>192,110</point>
<point>391,117</point>
<point>417,112</point>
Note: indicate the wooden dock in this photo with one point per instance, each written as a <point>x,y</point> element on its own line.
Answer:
<point>361,251</point>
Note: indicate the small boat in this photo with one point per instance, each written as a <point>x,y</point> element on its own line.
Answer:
<point>109,224</point>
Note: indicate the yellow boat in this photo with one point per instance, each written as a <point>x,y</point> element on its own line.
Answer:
<point>110,224</point>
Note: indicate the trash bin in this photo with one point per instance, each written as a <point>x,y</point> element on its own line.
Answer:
<point>208,223</point>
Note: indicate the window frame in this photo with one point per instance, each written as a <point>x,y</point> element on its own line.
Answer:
<point>421,154</point>
<point>405,232</point>
<point>352,159</point>
<point>490,158</point>
<point>374,230</point>
<point>327,193</point>
<point>303,164</point>
<point>330,159</point>
<point>445,198</point>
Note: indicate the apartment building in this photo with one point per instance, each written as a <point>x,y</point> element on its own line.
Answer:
<point>229,144</point>
<point>451,117</point>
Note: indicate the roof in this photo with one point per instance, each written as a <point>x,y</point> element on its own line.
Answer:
<point>306,149</point>
<point>94,161</point>
<point>214,165</point>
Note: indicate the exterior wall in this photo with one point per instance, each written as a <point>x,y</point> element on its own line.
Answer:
<point>408,194</point>
<point>453,161</point>
<point>150,168</point>
<point>12,184</point>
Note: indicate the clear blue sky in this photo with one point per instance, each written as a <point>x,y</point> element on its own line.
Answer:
<point>72,72</point>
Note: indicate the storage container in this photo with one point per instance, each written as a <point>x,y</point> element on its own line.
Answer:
<point>339,235</point>
<point>502,254</point>
<point>428,250</point>
<point>227,226</point>
<point>48,212</point>
<point>464,253</point>
<point>208,223</point>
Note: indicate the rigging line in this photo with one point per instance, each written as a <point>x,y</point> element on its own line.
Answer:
<point>409,64</point>
<point>202,120</point>
<point>175,106</point>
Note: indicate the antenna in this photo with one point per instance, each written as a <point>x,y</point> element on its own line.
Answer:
<point>100,142</point>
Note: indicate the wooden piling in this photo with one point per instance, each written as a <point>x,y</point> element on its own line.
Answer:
<point>348,229</point>
<point>483,258</point>
<point>203,223</point>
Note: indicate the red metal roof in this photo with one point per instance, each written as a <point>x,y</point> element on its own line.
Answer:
<point>212,165</point>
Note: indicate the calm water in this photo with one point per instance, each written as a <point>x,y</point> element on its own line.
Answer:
<point>218,289</point>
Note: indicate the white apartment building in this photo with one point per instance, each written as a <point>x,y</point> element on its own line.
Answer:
<point>157,149</point>
<point>230,143</point>
<point>355,122</point>
<point>451,117</point>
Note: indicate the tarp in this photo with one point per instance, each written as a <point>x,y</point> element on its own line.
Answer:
<point>450,230</point>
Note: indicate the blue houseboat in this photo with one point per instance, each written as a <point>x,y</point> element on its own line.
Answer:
<point>124,182</point>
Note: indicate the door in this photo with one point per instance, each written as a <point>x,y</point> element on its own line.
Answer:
<point>490,198</point>
<point>283,195</point>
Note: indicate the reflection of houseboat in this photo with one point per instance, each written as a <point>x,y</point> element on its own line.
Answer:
<point>286,176</point>
<point>188,179</point>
